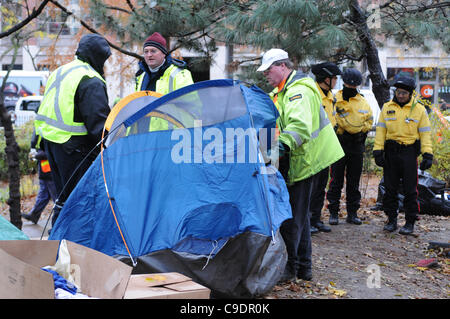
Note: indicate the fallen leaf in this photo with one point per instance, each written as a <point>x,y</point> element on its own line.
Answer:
<point>337,292</point>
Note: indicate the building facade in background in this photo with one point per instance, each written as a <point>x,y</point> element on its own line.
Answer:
<point>57,37</point>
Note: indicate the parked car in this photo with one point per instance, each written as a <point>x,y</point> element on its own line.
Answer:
<point>26,109</point>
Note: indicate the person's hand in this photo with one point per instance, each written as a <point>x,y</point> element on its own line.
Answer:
<point>427,161</point>
<point>379,157</point>
<point>284,160</point>
<point>32,154</point>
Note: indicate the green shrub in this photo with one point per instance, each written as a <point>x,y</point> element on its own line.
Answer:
<point>440,136</point>
<point>369,166</point>
<point>23,137</point>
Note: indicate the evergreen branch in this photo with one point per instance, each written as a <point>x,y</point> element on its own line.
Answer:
<point>28,19</point>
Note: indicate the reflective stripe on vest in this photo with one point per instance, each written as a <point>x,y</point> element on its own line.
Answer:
<point>172,78</point>
<point>324,121</point>
<point>140,80</point>
<point>59,122</point>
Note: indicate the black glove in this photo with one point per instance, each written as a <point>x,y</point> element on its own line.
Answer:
<point>284,160</point>
<point>427,161</point>
<point>363,137</point>
<point>379,157</point>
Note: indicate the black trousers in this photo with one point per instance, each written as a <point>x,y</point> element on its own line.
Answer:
<point>350,167</point>
<point>295,231</point>
<point>318,195</point>
<point>401,165</point>
<point>64,162</point>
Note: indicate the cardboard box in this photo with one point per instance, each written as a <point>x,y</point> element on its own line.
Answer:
<point>96,274</point>
<point>164,286</point>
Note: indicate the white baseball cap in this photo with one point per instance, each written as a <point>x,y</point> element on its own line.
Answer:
<point>271,56</point>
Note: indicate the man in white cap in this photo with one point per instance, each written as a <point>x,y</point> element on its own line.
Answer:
<point>307,145</point>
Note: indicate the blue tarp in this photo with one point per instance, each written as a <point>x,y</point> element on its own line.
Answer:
<point>10,232</point>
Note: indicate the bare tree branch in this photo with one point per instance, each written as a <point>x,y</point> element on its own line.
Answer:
<point>118,9</point>
<point>88,27</point>
<point>28,19</point>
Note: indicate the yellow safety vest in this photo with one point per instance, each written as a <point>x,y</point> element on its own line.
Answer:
<point>54,120</point>
<point>172,79</point>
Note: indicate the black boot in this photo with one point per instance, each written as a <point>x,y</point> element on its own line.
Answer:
<point>408,229</point>
<point>352,218</point>
<point>334,219</point>
<point>288,274</point>
<point>321,227</point>
<point>313,229</point>
<point>305,274</point>
<point>31,218</point>
<point>391,225</point>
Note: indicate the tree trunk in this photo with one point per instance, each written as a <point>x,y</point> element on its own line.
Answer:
<point>380,85</point>
<point>12,158</point>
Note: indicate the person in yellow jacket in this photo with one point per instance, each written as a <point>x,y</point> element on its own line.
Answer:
<point>307,144</point>
<point>354,120</point>
<point>403,132</point>
<point>326,77</point>
<point>160,73</point>
<point>72,115</point>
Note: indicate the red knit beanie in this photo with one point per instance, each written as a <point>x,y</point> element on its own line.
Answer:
<point>156,40</point>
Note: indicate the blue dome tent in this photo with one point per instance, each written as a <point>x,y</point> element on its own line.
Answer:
<point>182,186</point>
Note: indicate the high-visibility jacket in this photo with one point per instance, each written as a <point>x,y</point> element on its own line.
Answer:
<point>328,102</point>
<point>353,116</point>
<point>305,128</point>
<point>55,118</point>
<point>172,79</point>
<point>404,125</point>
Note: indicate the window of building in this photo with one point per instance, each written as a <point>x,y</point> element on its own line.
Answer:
<point>54,21</point>
<point>15,67</point>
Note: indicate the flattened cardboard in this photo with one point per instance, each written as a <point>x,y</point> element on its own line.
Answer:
<point>160,279</point>
<point>19,280</point>
<point>185,286</point>
<point>164,286</point>
<point>97,274</point>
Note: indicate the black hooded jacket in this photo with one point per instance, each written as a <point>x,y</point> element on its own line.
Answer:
<point>91,97</point>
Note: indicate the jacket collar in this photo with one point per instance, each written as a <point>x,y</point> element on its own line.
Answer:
<point>339,97</point>
<point>322,95</point>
